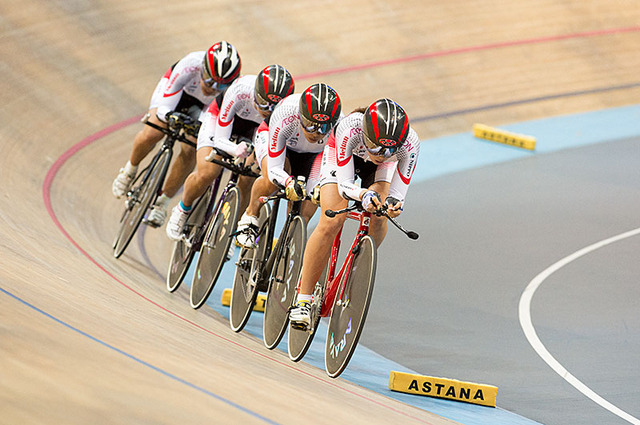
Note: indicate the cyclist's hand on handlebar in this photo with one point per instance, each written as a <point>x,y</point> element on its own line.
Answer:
<point>393,206</point>
<point>295,188</point>
<point>243,150</point>
<point>177,119</point>
<point>371,201</point>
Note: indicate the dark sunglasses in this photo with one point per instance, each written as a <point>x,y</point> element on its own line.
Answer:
<point>314,127</point>
<point>376,150</point>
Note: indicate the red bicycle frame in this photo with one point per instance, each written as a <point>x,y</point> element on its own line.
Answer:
<point>333,280</point>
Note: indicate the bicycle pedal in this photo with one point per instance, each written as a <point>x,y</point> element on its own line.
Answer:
<point>149,223</point>
<point>300,327</point>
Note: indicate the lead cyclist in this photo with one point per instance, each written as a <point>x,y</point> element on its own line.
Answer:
<point>190,84</point>
<point>379,147</point>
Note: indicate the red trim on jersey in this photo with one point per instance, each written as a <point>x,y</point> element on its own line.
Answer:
<point>405,180</point>
<point>277,154</point>
<point>171,94</point>
<point>343,162</point>
<point>222,123</point>
<point>168,73</point>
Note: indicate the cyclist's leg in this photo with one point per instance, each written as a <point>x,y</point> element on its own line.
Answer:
<point>245,184</point>
<point>198,181</point>
<point>319,244</point>
<point>248,223</point>
<point>184,163</point>
<point>143,143</point>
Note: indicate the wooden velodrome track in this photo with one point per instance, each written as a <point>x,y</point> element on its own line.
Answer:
<point>85,338</point>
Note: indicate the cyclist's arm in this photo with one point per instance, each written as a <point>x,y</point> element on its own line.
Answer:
<point>407,161</point>
<point>173,91</point>
<point>345,173</point>
<point>276,154</point>
<point>224,125</point>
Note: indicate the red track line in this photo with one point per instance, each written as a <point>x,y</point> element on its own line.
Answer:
<point>46,193</point>
<point>468,50</point>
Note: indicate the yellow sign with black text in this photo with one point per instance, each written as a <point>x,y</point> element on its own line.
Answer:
<point>451,389</point>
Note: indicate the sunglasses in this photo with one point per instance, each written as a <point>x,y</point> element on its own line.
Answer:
<point>314,127</point>
<point>264,105</point>
<point>211,83</point>
<point>376,150</point>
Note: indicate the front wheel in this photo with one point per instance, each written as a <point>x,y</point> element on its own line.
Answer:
<point>138,202</point>
<point>350,309</point>
<point>248,271</point>
<point>183,253</point>
<point>215,246</point>
<point>283,282</point>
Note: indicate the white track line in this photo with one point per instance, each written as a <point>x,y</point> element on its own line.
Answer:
<point>530,332</point>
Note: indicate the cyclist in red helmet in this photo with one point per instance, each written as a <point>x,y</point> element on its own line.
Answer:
<point>379,147</point>
<point>289,148</point>
<point>188,86</point>
<point>248,102</point>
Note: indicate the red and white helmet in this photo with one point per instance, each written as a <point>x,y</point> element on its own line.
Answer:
<point>221,64</point>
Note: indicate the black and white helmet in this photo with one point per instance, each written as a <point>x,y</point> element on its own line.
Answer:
<point>221,64</point>
<point>273,84</point>
<point>320,108</point>
<point>385,126</point>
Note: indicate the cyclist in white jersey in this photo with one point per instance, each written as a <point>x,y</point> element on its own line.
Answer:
<point>247,103</point>
<point>187,87</point>
<point>290,148</point>
<point>379,147</point>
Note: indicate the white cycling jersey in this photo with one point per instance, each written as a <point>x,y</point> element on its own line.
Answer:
<point>285,132</point>
<point>349,141</point>
<point>238,101</point>
<point>184,78</point>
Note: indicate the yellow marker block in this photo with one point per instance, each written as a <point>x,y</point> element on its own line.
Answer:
<point>501,136</point>
<point>260,301</point>
<point>443,388</point>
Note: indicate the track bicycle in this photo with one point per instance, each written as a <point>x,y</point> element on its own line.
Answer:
<point>221,229</point>
<point>343,297</point>
<point>148,182</point>
<point>213,217</point>
<point>271,268</point>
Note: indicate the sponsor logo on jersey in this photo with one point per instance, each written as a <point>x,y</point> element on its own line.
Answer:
<point>288,120</point>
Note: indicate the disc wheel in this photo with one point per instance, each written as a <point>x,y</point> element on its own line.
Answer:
<point>183,253</point>
<point>283,282</point>
<point>215,245</point>
<point>245,288</point>
<point>350,309</point>
<point>138,202</point>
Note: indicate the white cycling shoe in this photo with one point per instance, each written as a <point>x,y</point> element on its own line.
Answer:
<point>300,315</point>
<point>122,183</point>
<point>247,232</point>
<point>177,221</point>
<point>158,213</point>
